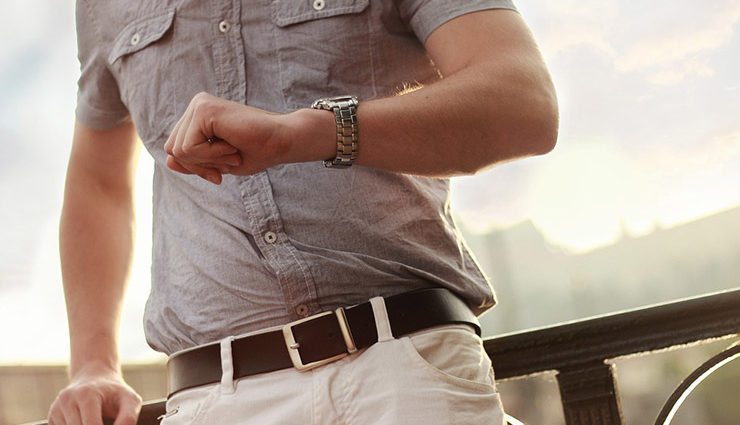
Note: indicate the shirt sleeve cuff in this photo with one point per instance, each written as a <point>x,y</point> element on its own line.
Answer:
<point>100,119</point>
<point>428,19</point>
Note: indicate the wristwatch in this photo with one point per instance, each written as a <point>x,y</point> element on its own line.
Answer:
<point>345,114</point>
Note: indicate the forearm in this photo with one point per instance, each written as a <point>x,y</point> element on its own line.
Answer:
<point>96,240</point>
<point>479,116</point>
<point>471,120</point>
<point>96,244</point>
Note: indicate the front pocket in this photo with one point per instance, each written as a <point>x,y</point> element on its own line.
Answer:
<point>189,406</point>
<point>140,33</point>
<point>453,355</point>
<point>139,59</point>
<point>324,48</point>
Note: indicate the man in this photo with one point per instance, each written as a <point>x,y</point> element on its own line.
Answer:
<point>252,232</point>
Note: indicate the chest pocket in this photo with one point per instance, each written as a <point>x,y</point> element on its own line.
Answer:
<point>323,49</point>
<point>140,60</point>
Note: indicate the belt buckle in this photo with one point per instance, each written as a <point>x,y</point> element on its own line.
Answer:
<point>293,346</point>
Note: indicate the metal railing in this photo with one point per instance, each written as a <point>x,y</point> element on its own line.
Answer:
<point>579,352</point>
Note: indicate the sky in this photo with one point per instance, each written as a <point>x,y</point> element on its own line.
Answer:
<point>650,137</point>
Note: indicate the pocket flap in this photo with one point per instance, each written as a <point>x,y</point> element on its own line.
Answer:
<point>141,33</point>
<point>288,12</point>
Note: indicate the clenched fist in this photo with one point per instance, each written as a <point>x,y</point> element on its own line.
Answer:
<point>216,136</point>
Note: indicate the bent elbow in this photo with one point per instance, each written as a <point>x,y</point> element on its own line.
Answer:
<point>546,123</point>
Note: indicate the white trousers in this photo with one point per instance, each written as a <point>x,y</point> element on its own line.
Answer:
<point>436,376</point>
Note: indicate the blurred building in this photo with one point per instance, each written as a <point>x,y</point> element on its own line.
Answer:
<point>539,284</point>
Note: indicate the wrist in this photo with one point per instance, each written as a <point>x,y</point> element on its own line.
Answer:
<point>94,368</point>
<point>311,134</point>
<point>97,354</point>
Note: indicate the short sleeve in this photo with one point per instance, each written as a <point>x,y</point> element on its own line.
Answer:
<point>99,102</point>
<point>424,16</point>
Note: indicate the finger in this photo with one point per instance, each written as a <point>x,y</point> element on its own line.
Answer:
<point>217,142</point>
<point>91,411</point>
<point>171,139</point>
<point>174,165</point>
<point>199,169</point>
<point>194,143</point>
<point>128,413</point>
<point>176,148</point>
<point>170,143</point>
<point>199,150</point>
<point>71,414</point>
<point>223,169</point>
<point>55,417</point>
<point>210,174</point>
<point>232,160</point>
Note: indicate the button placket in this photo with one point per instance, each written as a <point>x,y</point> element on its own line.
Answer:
<point>293,276</point>
<point>228,51</point>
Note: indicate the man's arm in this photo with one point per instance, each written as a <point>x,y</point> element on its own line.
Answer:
<point>495,103</point>
<point>96,240</point>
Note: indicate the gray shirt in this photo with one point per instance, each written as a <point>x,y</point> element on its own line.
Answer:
<point>296,239</point>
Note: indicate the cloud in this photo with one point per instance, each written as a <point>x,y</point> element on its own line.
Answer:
<point>677,49</point>
<point>673,42</point>
<point>714,152</point>
<point>666,47</point>
<point>681,71</point>
<point>567,24</point>
<point>30,24</point>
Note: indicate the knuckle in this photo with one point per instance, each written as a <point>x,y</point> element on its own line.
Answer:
<point>65,396</point>
<point>134,397</point>
<point>200,101</point>
<point>128,419</point>
<point>54,407</point>
<point>201,96</point>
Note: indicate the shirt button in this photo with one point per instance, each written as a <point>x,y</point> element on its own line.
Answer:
<point>224,26</point>
<point>302,310</point>
<point>318,4</point>
<point>135,39</point>
<point>270,237</point>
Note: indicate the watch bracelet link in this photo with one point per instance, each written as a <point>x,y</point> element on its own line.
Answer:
<point>345,117</point>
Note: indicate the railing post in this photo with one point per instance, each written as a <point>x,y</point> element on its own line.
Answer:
<point>589,395</point>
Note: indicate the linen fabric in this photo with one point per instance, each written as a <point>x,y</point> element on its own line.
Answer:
<point>296,239</point>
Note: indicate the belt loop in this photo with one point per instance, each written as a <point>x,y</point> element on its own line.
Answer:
<point>382,324</point>
<point>227,366</point>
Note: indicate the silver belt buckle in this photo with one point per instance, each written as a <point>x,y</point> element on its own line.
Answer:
<point>293,346</point>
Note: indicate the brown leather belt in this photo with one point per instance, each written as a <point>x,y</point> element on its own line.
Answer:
<point>319,339</point>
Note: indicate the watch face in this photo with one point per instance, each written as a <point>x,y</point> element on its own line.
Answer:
<point>329,103</point>
<point>351,99</point>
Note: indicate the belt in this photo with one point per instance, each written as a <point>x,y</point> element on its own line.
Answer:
<point>318,340</point>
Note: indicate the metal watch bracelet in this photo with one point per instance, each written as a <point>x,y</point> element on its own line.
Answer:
<point>345,115</point>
